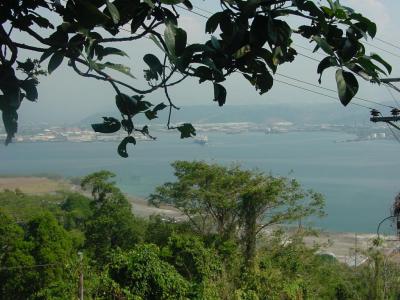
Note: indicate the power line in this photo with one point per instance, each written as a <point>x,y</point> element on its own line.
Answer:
<point>318,93</point>
<point>307,49</point>
<point>393,133</point>
<point>332,90</point>
<point>203,10</point>
<point>387,51</point>
<point>306,56</point>
<point>391,94</point>
<point>192,11</point>
<point>387,43</point>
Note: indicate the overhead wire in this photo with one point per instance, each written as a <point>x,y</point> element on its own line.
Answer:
<point>309,57</point>
<point>388,43</point>
<point>307,49</point>
<point>393,97</point>
<point>203,10</point>
<point>379,48</point>
<point>332,90</point>
<point>321,94</point>
<point>393,133</point>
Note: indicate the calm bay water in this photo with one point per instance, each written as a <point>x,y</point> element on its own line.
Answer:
<point>359,180</point>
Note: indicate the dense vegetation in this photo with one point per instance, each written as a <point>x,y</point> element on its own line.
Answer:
<point>126,257</point>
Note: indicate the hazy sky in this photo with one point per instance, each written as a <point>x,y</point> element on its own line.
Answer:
<point>64,96</point>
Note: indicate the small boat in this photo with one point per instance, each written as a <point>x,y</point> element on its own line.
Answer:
<point>201,139</point>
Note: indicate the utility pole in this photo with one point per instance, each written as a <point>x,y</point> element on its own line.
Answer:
<point>377,117</point>
<point>386,80</point>
<point>80,254</point>
<point>389,82</point>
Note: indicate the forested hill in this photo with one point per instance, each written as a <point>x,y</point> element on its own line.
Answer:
<point>47,241</point>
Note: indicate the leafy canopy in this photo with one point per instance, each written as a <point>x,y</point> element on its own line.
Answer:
<point>234,203</point>
<point>251,38</point>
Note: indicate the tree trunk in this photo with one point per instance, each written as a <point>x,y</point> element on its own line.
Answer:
<point>249,233</point>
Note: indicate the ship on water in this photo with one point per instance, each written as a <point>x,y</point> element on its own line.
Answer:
<point>201,139</point>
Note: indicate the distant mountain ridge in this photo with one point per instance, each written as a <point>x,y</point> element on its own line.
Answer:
<point>261,114</point>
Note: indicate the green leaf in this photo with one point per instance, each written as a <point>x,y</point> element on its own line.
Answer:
<point>122,146</point>
<point>260,31</point>
<point>149,3</point>
<point>159,107</point>
<point>10,121</point>
<point>110,125</point>
<point>150,114</point>
<point>272,31</point>
<point>213,22</point>
<point>46,54</point>
<point>29,86</point>
<point>379,59</point>
<point>171,2</point>
<point>26,66</point>
<point>347,86</point>
<point>127,105</point>
<point>325,64</point>
<point>112,51</point>
<point>323,44</point>
<point>349,50</point>
<point>118,67</point>
<point>264,82</point>
<point>154,63</point>
<point>365,23</point>
<point>127,124</point>
<point>58,39</point>
<point>215,43</point>
<point>55,61</point>
<point>139,17</point>
<point>219,94</point>
<point>187,130</point>
<point>242,52</point>
<point>157,42</point>
<point>42,22</point>
<point>113,12</point>
<point>369,66</point>
<point>188,4</point>
<point>175,39</point>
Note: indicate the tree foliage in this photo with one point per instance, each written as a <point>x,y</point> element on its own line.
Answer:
<point>111,224</point>
<point>251,38</point>
<point>128,258</point>
<point>146,276</point>
<point>235,203</point>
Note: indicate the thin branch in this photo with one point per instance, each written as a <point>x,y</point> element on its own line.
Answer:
<point>178,81</point>
<point>105,77</point>
<point>29,47</point>
<point>160,39</point>
<point>171,105</point>
<point>36,36</point>
<point>266,225</point>
<point>147,30</point>
<point>4,38</point>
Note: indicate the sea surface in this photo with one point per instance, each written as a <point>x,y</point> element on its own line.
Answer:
<point>358,179</point>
